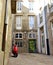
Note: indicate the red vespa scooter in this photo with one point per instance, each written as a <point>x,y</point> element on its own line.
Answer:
<point>15,50</point>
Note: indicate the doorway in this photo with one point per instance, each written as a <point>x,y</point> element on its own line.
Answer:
<point>32,46</point>
<point>43,50</point>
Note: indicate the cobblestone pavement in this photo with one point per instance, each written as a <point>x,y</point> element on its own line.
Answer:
<point>31,59</point>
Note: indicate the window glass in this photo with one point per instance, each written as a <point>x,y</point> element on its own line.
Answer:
<point>43,41</point>
<point>16,35</point>
<point>18,22</point>
<point>30,6</point>
<point>20,35</point>
<point>41,17</point>
<point>19,43</point>
<point>31,22</point>
<point>30,35</point>
<point>18,6</point>
<point>33,35</point>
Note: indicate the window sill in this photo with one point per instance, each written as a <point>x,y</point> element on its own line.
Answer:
<point>18,38</point>
<point>18,11</point>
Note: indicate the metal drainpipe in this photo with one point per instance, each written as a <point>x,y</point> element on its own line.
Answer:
<point>47,39</point>
<point>5,30</point>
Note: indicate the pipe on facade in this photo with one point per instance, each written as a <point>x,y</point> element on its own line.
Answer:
<point>47,39</point>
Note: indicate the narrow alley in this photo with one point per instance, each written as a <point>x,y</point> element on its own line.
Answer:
<point>31,59</point>
<point>26,27</point>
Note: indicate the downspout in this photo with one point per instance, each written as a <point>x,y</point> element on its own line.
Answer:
<point>47,39</point>
<point>5,28</point>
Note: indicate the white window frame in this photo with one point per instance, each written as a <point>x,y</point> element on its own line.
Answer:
<point>31,9</point>
<point>18,6</point>
<point>18,43</point>
<point>41,15</point>
<point>31,26</point>
<point>18,35</point>
<point>31,35</point>
<point>42,40</point>
<point>19,25</point>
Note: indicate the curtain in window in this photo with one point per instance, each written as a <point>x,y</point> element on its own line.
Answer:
<point>18,6</point>
<point>31,22</point>
<point>18,22</point>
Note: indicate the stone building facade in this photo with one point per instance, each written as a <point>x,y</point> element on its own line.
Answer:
<point>24,26</point>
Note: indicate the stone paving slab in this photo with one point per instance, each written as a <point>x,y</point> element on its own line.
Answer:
<point>31,59</point>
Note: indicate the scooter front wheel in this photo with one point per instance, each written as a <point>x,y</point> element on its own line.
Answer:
<point>15,55</point>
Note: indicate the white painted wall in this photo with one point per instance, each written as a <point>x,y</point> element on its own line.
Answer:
<point>45,31</point>
<point>39,49</point>
<point>39,26</point>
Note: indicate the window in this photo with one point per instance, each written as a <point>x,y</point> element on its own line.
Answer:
<point>31,35</point>
<point>18,35</point>
<point>51,1</point>
<point>18,6</point>
<point>31,22</point>
<point>43,40</point>
<point>19,43</point>
<point>41,18</point>
<point>31,6</point>
<point>18,22</point>
<point>52,27</point>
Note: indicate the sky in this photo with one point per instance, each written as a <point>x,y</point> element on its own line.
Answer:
<point>37,4</point>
